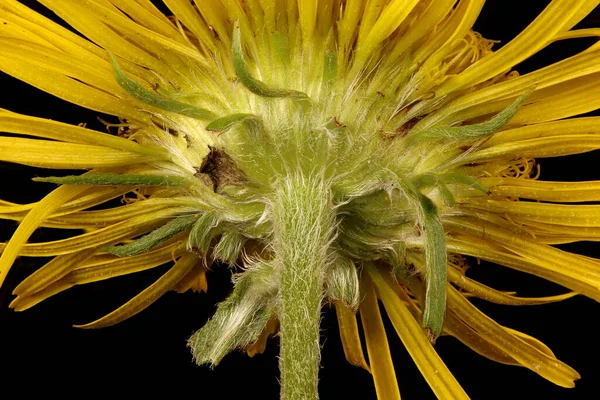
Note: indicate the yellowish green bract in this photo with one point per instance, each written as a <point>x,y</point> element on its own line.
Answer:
<point>332,151</point>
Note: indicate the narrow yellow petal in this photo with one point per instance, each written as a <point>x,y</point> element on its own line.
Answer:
<point>531,341</point>
<point>470,105</point>
<point>50,32</point>
<point>575,265</point>
<point>102,267</point>
<point>22,303</point>
<point>50,154</point>
<point>68,89</point>
<point>378,349</point>
<point>148,295</point>
<point>433,15</point>
<point>155,21</point>
<point>488,250</point>
<point>454,326</point>
<point>528,356</point>
<point>96,74</point>
<point>548,213</point>
<point>565,192</point>
<point>553,20</point>
<point>110,267</point>
<point>459,24</point>
<point>347,26</point>
<point>31,222</point>
<point>89,198</point>
<point>86,21</point>
<point>118,214</point>
<point>387,22</point>
<point>495,296</point>
<point>577,33</point>
<point>563,128</point>
<point>551,146</point>
<point>350,336</point>
<point>307,10</point>
<point>556,234</point>
<point>188,15</point>
<point>108,235</point>
<point>575,97</point>
<point>439,378</point>
<point>45,128</point>
<point>52,272</point>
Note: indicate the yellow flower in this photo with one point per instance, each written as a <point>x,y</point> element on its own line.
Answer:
<point>351,153</point>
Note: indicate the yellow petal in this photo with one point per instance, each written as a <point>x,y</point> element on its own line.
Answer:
<point>433,369</point>
<point>118,214</point>
<point>459,23</point>
<point>110,234</point>
<point>488,250</point>
<point>556,18</point>
<point>188,15</point>
<point>556,234</point>
<point>378,349</point>
<point>82,16</point>
<point>100,268</point>
<point>577,126</point>
<point>470,105</point>
<point>47,79</point>
<point>48,129</point>
<point>528,356</point>
<point>89,198</point>
<point>386,23</point>
<point>575,97</point>
<point>350,336</point>
<point>52,272</point>
<point>432,16</point>
<point>575,265</point>
<point>307,10</point>
<point>556,214</point>
<point>49,154</point>
<point>22,303</point>
<point>47,31</point>
<point>31,222</point>
<point>577,33</point>
<point>347,26</point>
<point>148,295</point>
<point>473,340</point>
<point>143,15</point>
<point>552,146</point>
<point>495,296</point>
<point>104,267</point>
<point>531,341</point>
<point>564,192</point>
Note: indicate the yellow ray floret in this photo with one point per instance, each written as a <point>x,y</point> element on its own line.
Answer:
<point>149,295</point>
<point>378,350</point>
<point>441,381</point>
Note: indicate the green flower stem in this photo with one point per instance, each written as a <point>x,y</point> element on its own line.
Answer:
<point>303,229</point>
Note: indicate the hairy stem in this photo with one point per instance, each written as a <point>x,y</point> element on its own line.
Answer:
<point>303,228</point>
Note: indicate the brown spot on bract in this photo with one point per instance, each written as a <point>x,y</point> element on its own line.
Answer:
<point>218,169</point>
<point>338,123</point>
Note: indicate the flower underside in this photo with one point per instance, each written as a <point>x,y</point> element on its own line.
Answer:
<point>346,152</point>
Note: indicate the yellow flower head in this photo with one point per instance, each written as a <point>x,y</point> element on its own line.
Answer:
<point>331,151</point>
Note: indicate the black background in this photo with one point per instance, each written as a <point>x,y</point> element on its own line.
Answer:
<point>41,353</point>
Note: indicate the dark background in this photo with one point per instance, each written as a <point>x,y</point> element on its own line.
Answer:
<point>41,352</point>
